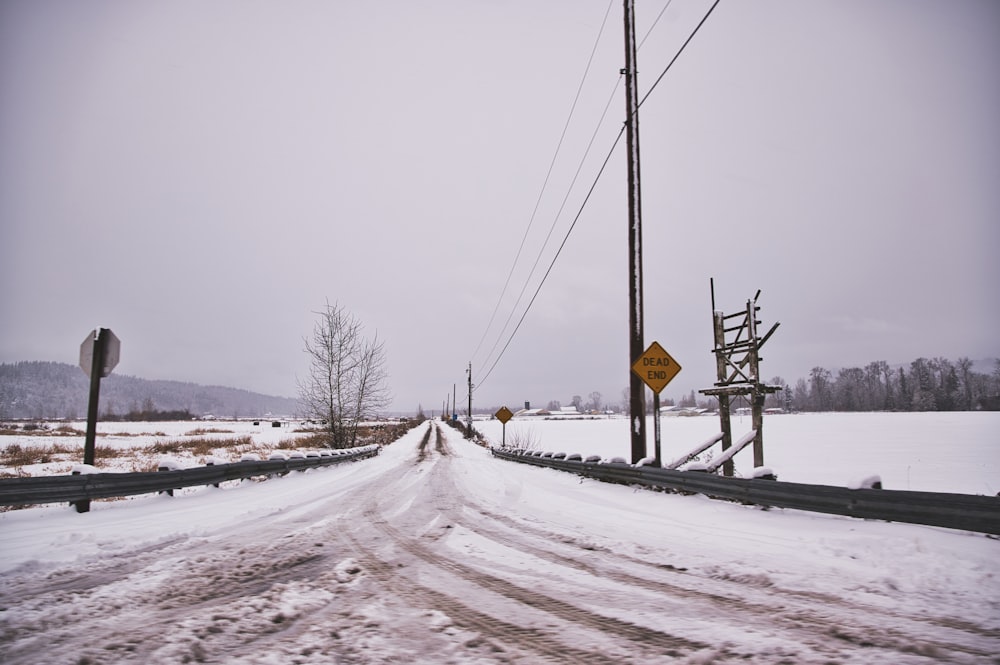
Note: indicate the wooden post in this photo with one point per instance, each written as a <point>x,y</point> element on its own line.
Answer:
<point>756,397</point>
<point>757,411</point>
<point>719,328</point>
<point>468,433</point>
<point>637,406</point>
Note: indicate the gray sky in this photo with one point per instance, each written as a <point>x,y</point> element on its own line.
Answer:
<point>202,177</point>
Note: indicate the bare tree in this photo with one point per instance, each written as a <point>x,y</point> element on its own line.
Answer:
<point>347,375</point>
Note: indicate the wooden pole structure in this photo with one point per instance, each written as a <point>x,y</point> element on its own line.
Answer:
<point>757,396</point>
<point>731,357</point>
<point>718,321</point>
<point>637,406</point>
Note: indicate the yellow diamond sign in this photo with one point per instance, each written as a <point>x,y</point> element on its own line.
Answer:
<point>503,414</point>
<point>655,367</point>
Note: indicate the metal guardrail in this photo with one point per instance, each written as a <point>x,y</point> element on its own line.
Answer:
<point>967,512</point>
<point>58,489</point>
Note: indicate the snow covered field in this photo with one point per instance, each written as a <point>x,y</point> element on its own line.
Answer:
<point>137,446</point>
<point>933,452</point>
<point>434,552</point>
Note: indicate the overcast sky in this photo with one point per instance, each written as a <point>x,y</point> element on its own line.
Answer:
<point>201,177</point>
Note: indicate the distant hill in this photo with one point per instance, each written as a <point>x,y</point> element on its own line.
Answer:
<point>44,390</point>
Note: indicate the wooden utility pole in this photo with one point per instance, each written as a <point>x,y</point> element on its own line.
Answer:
<point>637,402</point>
<point>468,433</point>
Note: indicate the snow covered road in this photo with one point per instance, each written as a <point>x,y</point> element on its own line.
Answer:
<point>434,552</point>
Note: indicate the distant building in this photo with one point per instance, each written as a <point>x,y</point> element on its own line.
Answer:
<point>682,411</point>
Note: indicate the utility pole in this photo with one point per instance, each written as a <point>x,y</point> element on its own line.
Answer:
<point>637,406</point>
<point>469,432</point>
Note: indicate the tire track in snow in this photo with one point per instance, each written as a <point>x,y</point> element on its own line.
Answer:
<point>806,610</point>
<point>805,614</point>
<point>501,635</point>
<point>502,639</point>
<point>322,581</point>
<point>652,641</point>
<point>665,573</point>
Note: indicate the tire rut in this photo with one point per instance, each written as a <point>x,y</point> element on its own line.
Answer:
<point>503,635</point>
<point>649,640</point>
<point>801,616</point>
<point>526,644</point>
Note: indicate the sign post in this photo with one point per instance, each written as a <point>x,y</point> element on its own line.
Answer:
<point>656,369</point>
<point>503,414</point>
<point>99,354</point>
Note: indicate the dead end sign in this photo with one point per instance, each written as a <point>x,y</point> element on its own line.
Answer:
<point>503,415</point>
<point>655,367</point>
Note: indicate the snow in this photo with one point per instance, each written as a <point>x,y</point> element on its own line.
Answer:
<point>932,452</point>
<point>443,554</point>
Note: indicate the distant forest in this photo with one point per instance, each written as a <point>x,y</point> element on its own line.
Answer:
<point>50,390</point>
<point>933,384</point>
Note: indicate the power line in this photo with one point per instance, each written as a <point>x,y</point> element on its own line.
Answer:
<point>562,206</point>
<point>655,21</point>
<point>569,190</point>
<point>590,191</point>
<point>545,183</point>
<point>679,51</point>
<point>558,251</point>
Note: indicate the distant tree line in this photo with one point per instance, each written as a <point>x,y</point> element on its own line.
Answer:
<point>49,390</point>
<point>935,384</point>
<point>149,413</point>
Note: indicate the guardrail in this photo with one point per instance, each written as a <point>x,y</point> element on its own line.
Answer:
<point>80,488</point>
<point>967,512</point>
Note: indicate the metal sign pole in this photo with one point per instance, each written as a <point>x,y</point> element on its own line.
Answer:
<point>96,369</point>
<point>656,429</point>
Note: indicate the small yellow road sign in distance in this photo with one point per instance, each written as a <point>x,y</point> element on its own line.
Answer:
<point>655,367</point>
<point>503,414</point>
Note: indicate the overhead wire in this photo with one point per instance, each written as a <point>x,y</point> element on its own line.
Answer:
<point>553,262</point>
<point>569,190</point>
<point>555,220</point>
<point>678,54</point>
<point>593,185</point>
<point>565,198</point>
<point>655,21</point>
<point>545,183</point>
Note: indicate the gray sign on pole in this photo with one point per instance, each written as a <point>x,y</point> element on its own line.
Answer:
<point>112,352</point>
